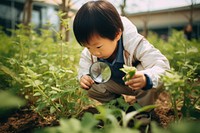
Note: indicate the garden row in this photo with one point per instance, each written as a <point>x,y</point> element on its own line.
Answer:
<point>41,69</point>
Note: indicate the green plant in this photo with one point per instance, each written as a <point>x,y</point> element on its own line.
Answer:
<point>115,120</point>
<point>129,71</point>
<point>109,116</point>
<point>185,90</point>
<point>176,48</point>
<point>183,126</point>
<point>9,101</point>
<point>183,87</point>
<point>42,68</point>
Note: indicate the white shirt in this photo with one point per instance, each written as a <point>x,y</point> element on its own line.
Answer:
<point>136,47</point>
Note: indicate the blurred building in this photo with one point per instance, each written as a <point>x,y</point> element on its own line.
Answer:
<point>43,11</point>
<point>162,21</point>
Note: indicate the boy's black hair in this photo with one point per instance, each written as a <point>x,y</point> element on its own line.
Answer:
<point>96,17</point>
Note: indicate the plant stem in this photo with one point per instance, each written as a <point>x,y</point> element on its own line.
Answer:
<point>175,108</point>
<point>39,88</point>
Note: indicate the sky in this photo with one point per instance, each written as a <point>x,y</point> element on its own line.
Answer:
<point>134,6</point>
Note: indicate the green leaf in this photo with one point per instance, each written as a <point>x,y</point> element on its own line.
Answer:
<point>129,71</point>
<point>8,100</point>
<point>88,121</point>
<point>36,94</point>
<point>56,89</point>
<point>73,125</point>
<point>9,72</point>
<point>52,109</point>
<point>37,83</point>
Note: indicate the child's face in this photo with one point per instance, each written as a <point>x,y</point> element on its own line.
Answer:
<point>102,47</point>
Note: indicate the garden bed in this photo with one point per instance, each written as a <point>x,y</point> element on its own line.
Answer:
<point>25,120</point>
<point>43,71</point>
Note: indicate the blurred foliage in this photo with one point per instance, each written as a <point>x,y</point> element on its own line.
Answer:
<point>178,49</point>
<point>115,120</point>
<point>8,102</point>
<point>13,100</point>
<point>184,126</point>
<point>182,81</point>
<point>43,69</point>
<point>108,120</point>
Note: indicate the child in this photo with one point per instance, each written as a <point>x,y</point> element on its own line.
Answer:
<point>113,39</point>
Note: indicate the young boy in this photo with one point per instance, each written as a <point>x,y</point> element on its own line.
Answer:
<point>110,38</point>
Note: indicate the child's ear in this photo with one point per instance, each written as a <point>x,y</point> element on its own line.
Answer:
<point>118,35</point>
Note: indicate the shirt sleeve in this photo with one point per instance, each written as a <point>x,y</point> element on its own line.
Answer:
<point>149,83</point>
<point>153,62</point>
<point>84,63</point>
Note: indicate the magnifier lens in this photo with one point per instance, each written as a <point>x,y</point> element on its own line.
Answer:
<point>100,72</point>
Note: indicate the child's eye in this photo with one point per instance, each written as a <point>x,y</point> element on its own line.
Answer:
<point>99,46</point>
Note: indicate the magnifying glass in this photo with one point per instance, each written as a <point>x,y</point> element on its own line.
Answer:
<point>100,72</point>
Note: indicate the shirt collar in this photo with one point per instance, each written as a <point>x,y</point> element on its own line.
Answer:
<point>120,57</point>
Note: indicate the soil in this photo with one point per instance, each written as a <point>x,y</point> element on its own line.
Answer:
<point>25,120</point>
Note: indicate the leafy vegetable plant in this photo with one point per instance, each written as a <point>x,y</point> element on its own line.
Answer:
<point>183,86</point>
<point>42,68</point>
<point>129,71</point>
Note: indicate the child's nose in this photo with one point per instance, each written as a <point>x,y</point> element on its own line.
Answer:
<point>96,53</point>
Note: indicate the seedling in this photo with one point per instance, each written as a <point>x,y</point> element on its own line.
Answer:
<point>130,72</point>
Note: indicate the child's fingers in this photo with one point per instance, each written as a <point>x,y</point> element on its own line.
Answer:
<point>132,81</point>
<point>135,86</point>
<point>137,82</point>
<point>84,86</point>
<point>86,82</point>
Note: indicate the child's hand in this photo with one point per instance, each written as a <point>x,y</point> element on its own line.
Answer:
<point>138,81</point>
<point>86,82</point>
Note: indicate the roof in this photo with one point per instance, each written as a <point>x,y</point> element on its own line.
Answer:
<point>196,6</point>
